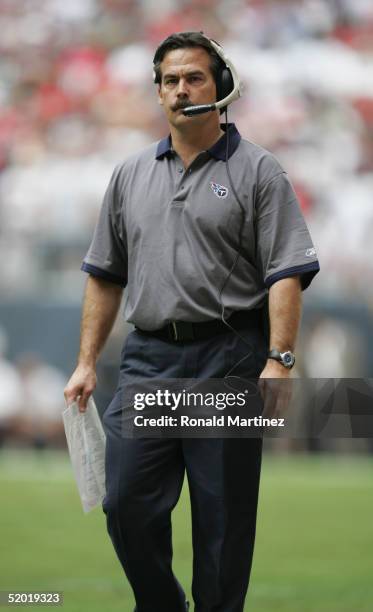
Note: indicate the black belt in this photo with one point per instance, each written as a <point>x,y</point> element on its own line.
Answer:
<point>183,331</point>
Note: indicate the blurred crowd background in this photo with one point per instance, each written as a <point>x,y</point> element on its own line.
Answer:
<point>77,97</point>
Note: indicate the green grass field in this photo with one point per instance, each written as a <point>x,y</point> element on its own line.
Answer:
<point>314,547</point>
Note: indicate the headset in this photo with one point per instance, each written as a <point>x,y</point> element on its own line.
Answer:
<point>228,85</point>
<point>228,89</point>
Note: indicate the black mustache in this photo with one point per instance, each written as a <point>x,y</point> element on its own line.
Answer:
<point>181,104</point>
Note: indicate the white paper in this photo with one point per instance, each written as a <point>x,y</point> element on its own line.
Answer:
<point>86,443</point>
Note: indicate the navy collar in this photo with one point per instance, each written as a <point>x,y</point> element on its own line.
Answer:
<point>217,151</point>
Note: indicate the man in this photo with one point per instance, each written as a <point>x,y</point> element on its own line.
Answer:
<point>169,231</point>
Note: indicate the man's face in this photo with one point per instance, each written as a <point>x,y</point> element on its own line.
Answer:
<point>186,80</point>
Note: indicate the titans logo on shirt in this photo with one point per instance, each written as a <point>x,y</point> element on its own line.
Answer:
<point>219,190</point>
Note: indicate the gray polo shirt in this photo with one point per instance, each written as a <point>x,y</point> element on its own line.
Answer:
<point>171,235</point>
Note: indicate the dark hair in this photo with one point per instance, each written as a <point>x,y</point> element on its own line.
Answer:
<point>183,40</point>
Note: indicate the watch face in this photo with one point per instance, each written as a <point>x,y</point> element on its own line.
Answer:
<point>288,359</point>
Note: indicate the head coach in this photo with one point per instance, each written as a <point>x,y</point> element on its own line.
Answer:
<point>204,231</point>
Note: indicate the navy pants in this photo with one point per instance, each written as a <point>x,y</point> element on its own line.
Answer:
<point>144,478</point>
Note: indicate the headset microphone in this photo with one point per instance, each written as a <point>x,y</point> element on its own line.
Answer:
<point>198,109</point>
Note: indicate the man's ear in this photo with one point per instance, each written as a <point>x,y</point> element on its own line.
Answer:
<point>160,99</point>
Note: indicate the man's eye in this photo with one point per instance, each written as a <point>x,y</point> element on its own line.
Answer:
<point>170,81</point>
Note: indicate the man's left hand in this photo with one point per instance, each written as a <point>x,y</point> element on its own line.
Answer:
<point>275,386</point>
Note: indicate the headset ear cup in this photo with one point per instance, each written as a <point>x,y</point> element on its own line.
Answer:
<point>224,85</point>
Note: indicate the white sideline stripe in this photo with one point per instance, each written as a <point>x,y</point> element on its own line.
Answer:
<point>306,482</point>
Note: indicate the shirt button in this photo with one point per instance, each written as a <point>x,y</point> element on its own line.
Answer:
<point>179,170</point>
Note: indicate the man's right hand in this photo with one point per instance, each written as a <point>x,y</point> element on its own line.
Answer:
<point>80,386</point>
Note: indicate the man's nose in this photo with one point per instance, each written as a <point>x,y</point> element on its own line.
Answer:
<point>182,89</point>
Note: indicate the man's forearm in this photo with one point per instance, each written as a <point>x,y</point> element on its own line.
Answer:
<point>100,307</point>
<point>285,307</point>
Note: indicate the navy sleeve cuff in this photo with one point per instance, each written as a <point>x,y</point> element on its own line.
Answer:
<point>94,271</point>
<point>306,273</point>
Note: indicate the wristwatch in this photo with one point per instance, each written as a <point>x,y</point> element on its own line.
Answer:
<point>287,359</point>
